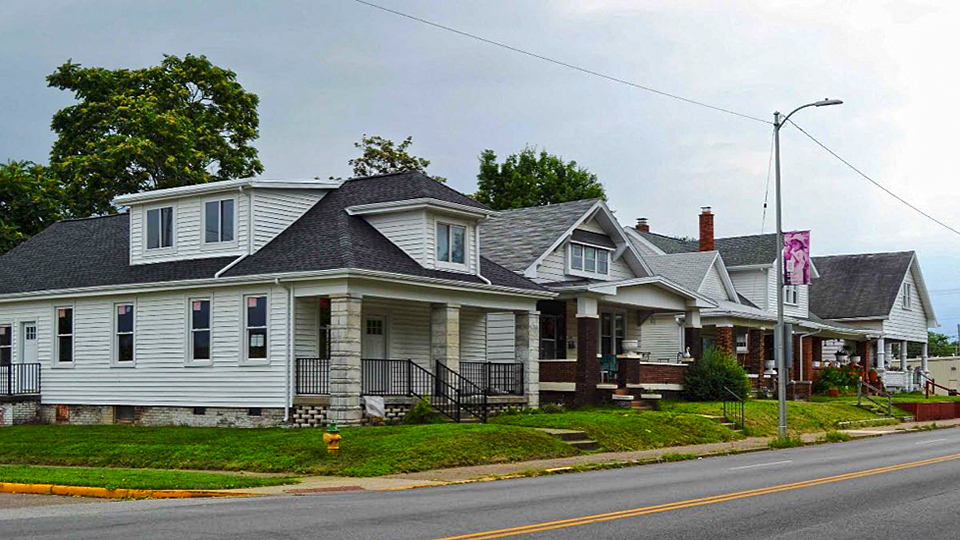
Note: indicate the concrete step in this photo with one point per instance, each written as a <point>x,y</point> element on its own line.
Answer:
<point>585,444</point>
<point>641,406</point>
<point>565,434</point>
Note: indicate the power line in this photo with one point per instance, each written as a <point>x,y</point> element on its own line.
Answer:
<point>766,192</point>
<point>561,63</point>
<point>874,182</point>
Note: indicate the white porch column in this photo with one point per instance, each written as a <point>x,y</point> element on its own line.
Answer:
<point>881,353</point>
<point>527,332</point>
<point>445,335</point>
<point>923,360</point>
<point>903,355</point>
<point>345,370</point>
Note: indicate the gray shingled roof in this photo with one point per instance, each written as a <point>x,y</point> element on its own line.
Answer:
<point>687,269</point>
<point>852,286</point>
<point>735,250</point>
<point>89,253</point>
<point>327,238</point>
<point>95,251</point>
<point>515,238</point>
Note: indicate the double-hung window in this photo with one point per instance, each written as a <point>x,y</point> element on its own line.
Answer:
<point>218,221</point>
<point>160,227</point>
<point>64,342</point>
<point>255,322</point>
<point>741,342</point>
<point>6,345</point>
<point>123,338</point>
<point>907,296</point>
<point>589,259</point>
<point>200,330</point>
<point>451,243</point>
<point>791,295</point>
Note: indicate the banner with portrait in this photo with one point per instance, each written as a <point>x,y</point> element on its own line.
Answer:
<point>796,258</point>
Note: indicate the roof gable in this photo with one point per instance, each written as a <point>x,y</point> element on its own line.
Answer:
<point>859,286</point>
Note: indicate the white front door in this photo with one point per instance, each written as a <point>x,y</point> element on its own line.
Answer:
<point>374,346</point>
<point>28,342</point>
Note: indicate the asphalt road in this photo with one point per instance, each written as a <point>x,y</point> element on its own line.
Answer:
<point>895,487</point>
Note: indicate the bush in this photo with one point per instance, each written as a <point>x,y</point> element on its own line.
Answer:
<point>422,413</point>
<point>844,379</point>
<point>552,408</point>
<point>707,377</point>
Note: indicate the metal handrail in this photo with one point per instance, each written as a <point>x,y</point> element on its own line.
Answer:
<point>931,383</point>
<point>879,392</point>
<point>468,396</point>
<point>496,378</point>
<point>312,376</point>
<point>735,408</point>
<point>20,379</point>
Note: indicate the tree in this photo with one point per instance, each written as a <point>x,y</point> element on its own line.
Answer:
<point>382,156</point>
<point>937,345</point>
<point>532,179</point>
<point>29,202</point>
<point>183,122</point>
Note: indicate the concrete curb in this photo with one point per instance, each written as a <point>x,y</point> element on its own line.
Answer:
<point>121,493</point>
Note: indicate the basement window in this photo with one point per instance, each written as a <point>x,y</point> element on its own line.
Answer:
<point>124,414</point>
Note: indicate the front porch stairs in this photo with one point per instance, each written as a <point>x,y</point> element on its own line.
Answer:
<point>723,421</point>
<point>576,438</point>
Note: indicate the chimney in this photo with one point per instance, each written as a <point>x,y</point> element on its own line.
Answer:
<point>706,229</point>
<point>642,225</point>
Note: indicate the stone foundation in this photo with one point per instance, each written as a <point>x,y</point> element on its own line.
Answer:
<point>162,416</point>
<point>19,411</point>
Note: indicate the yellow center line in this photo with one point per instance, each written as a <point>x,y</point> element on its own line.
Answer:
<point>714,499</point>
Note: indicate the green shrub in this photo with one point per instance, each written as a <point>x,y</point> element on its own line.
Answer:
<point>844,379</point>
<point>707,377</point>
<point>836,436</point>
<point>422,413</point>
<point>552,408</point>
<point>786,442</point>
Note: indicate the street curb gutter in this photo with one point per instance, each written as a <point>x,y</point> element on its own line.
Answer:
<point>104,493</point>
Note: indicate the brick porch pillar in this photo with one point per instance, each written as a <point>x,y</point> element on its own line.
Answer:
<point>807,359</point>
<point>725,339</point>
<point>692,334</point>
<point>795,367</point>
<point>755,350</point>
<point>527,332</point>
<point>588,348</point>
<point>445,335</point>
<point>863,348</point>
<point>345,370</point>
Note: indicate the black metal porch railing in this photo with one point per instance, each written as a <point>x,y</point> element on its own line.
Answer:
<point>312,376</point>
<point>20,379</point>
<point>469,396</point>
<point>496,378</point>
<point>733,408</point>
<point>447,391</point>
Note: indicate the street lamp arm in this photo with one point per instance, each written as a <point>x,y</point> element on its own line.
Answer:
<point>821,103</point>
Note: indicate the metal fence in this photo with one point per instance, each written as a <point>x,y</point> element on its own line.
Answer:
<point>312,376</point>
<point>19,379</point>
<point>496,378</point>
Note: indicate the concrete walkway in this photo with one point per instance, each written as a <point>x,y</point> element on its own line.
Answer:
<point>333,484</point>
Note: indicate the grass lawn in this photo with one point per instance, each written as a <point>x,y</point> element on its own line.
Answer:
<point>619,429</point>
<point>802,417</point>
<point>133,478</point>
<point>364,451</point>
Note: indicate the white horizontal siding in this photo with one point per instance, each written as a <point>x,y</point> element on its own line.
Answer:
<point>276,209</point>
<point>408,327</point>
<point>592,226</point>
<point>430,235</point>
<point>473,335</point>
<point>660,337</point>
<point>553,267</point>
<point>713,285</point>
<point>406,230</point>
<point>908,324</point>
<point>306,339</point>
<point>753,285</point>
<point>501,336</point>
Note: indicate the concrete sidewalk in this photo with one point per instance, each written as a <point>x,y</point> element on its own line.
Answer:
<point>439,477</point>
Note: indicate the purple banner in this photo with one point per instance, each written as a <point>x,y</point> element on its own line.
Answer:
<point>796,258</point>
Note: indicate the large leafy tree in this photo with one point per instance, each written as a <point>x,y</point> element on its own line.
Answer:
<point>937,345</point>
<point>533,178</point>
<point>29,202</point>
<point>183,122</point>
<point>381,156</point>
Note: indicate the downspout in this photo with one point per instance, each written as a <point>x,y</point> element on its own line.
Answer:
<point>290,330</point>
<point>801,348</point>
<point>477,243</point>
<point>249,236</point>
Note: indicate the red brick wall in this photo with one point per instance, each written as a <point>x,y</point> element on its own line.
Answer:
<point>662,373</point>
<point>706,231</point>
<point>725,339</point>
<point>588,365</point>
<point>558,372</point>
<point>755,351</point>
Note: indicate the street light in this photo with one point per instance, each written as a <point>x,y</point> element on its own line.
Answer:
<point>778,333</point>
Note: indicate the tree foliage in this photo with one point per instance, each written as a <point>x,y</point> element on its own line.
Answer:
<point>29,202</point>
<point>183,122</point>
<point>383,156</point>
<point>533,179</point>
<point>707,378</point>
<point>937,345</point>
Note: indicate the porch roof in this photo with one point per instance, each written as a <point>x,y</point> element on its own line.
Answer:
<point>617,288</point>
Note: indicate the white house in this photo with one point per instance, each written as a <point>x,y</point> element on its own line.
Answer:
<point>254,302</point>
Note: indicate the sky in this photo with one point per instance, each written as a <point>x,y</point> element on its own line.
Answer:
<point>328,71</point>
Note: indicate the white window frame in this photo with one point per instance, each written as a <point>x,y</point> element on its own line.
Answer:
<point>907,301</point>
<point>572,270</point>
<point>244,338</point>
<point>203,222</point>
<point>746,341</point>
<point>450,265</point>
<point>56,363</point>
<point>191,361</point>
<point>796,295</point>
<point>115,336</point>
<point>9,328</point>
<point>145,230</point>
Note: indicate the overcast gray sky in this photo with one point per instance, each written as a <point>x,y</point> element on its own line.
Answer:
<point>327,71</point>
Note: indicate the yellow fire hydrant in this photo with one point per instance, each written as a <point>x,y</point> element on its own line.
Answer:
<point>331,437</point>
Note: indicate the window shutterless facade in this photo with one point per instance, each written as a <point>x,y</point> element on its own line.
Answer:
<point>907,296</point>
<point>160,227</point>
<point>791,294</point>
<point>589,259</point>
<point>6,345</point>
<point>219,222</point>
<point>123,340</point>
<point>451,243</point>
<point>200,314</point>
<point>63,343</point>
<point>255,331</point>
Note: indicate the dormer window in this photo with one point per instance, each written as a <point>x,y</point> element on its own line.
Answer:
<point>589,259</point>
<point>160,227</point>
<point>451,243</point>
<point>218,221</point>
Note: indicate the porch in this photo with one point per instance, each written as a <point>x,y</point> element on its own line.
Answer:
<point>19,393</point>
